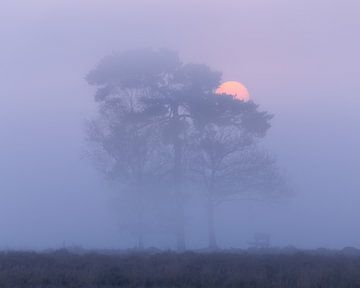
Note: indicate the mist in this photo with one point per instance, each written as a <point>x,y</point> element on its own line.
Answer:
<point>299,62</point>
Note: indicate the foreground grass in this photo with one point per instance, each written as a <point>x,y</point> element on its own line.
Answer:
<point>63,269</point>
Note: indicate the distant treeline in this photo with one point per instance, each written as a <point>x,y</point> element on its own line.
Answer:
<point>190,269</point>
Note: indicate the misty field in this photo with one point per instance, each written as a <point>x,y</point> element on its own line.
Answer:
<point>168,269</point>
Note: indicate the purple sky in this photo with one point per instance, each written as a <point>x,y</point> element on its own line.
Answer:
<point>298,59</point>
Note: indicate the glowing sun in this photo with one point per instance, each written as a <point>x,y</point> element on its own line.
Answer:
<point>235,89</point>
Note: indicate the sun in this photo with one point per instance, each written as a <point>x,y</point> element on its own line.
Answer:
<point>235,89</point>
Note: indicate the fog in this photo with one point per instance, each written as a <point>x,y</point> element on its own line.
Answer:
<point>298,59</point>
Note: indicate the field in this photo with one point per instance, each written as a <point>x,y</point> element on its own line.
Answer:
<point>167,269</point>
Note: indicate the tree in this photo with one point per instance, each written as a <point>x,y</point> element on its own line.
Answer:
<point>175,105</point>
<point>226,156</point>
<point>159,116</point>
<point>122,131</point>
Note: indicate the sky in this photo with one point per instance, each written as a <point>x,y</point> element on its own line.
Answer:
<point>298,59</point>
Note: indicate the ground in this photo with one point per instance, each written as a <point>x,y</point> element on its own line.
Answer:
<point>233,268</point>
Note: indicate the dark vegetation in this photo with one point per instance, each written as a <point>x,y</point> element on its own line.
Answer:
<point>166,269</point>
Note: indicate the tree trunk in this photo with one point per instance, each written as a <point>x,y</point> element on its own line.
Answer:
<point>211,228</point>
<point>140,215</point>
<point>180,227</point>
<point>140,241</point>
<point>178,181</point>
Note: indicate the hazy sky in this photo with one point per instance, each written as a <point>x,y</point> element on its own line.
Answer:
<point>298,59</point>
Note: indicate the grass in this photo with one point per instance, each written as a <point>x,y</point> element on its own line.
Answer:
<point>189,269</point>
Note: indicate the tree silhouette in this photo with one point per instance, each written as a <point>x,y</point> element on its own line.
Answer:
<point>226,157</point>
<point>123,131</point>
<point>174,105</point>
<point>160,121</point>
